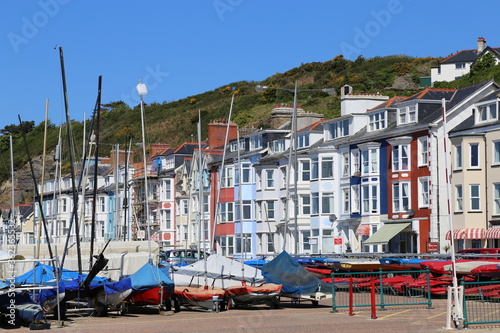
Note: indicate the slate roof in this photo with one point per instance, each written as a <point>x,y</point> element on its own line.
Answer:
<point>468,55</point>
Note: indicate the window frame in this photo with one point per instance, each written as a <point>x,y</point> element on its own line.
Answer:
<point>474,150</point>
<point>473,198</point>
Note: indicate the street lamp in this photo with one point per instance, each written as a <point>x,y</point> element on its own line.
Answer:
<point>293,144</point>
<point>143,90</point>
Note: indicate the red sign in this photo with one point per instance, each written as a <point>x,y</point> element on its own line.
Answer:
<point>337,241</point>
<point>432,247</point>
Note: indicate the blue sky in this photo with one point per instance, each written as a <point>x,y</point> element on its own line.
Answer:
<point>182,48</point>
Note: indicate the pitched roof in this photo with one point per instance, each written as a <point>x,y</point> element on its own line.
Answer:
<point>468,55</point>
<point>389,103</point>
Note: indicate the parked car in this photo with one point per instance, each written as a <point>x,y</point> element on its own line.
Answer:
<point>476,253</point>
<point>181,257</point>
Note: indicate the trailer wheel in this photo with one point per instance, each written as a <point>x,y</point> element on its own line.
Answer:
<point>315,303</point>
<point>174,304</point>
<point>275,302</point>
<point>100,310</point>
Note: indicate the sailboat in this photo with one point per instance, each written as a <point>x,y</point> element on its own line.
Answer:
<point>297,282</point>
<point>151,287</point>
<point>205,297</point>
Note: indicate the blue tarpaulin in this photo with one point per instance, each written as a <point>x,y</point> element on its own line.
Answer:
<point>44,274</point>
<point>150,276</point>
<point>295,279</point>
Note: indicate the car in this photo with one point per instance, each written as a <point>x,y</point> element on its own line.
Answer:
<point>182,257</point>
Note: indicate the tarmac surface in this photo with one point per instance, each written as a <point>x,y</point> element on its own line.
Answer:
<point>291,317</point>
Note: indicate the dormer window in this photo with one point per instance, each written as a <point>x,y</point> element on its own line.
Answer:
<point>303,141</point>
<point>487,113</point>
<point>277,146</point>
<point>377,121</point>
<point>407,114</point>
<point>234,146</point>
<point>255,142</point>
<point>338,129</point>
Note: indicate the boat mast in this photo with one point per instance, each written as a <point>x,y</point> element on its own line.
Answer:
<point>200,198</point>
<point>12,193</point>
<point>240,200</point>
<point>37,193</point>
<point>74,216</point>
<point>96,168</point>
<point>43,173</point>
<point>221,172</point>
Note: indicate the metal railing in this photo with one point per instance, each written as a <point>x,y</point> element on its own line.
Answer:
<point>481,302</point>
<point>392,288</point>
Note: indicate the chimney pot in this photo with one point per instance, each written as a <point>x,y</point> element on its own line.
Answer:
<point>481,44</point>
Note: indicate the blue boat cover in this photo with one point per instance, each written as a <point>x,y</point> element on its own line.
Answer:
<point>27,311</point>
<point>295,279</point>
<point>118,287</point>
<point>150,276</point>
<point>44,274</point>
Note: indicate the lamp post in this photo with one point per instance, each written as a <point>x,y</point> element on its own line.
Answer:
<point>143,90</point>
<point>293,150</point>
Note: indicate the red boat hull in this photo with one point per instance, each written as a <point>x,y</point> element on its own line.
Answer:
<point>151,296</point>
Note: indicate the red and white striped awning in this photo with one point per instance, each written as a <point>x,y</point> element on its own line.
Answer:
<point>363,229</point>
<point>492,233</point>
<point>467,233</point>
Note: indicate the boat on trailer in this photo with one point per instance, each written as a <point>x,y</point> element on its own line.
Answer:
<point>244,295</point>
<point>297,282</point>
<point>151,287</point>
<point>204,297</point>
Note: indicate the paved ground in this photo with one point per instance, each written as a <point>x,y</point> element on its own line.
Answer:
<point>290,318</point>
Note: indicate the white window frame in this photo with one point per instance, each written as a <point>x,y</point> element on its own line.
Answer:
<point>269,179</point>
<point>314,203</point>
<point>423,151</point>
<point>487,113</point>
<point>400,162</point>
<point>474,145</point>
<point>370,202</point>
<point>355,165</point>
<point>270,209</point>
<point>228,177</point>
<point>496,152</point>
<point>355,207</point>
<point>401,195</point>
<point>458,157</point>
<point>345,164</point>
<point>377,121</point>
<point>459,198</point>
<point>246,168</point>
<point>305,205</point>
<point>226,212</point>
<point>327,203</point>
<point>346,200</point>
<point>314,168</point>
<point>305,170</point>
<point>327,171</point>
<point>247,210</point>
<point>474,197</point>
<point>496,198</point>
<point>369,161</point>
<point>423,192</point>
<point>407,114</point>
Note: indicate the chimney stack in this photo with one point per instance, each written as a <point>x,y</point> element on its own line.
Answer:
<point>481,44</point>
